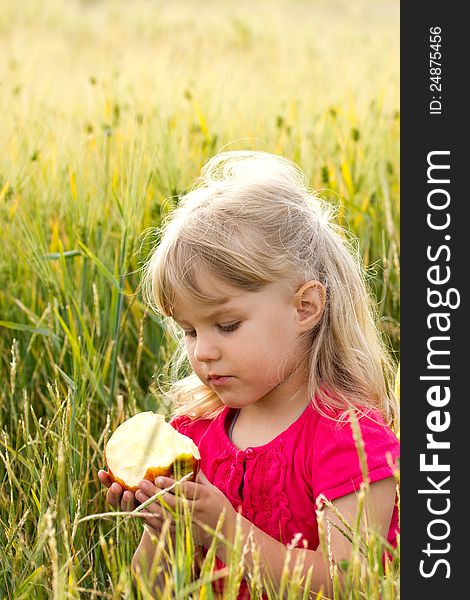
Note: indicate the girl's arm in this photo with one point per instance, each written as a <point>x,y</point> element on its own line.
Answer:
<point>148,574</point>
<point>381,500</point>
<point>142,562</point>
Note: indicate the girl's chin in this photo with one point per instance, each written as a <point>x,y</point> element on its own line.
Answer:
<point>233,402</point>
<point>228,402</point>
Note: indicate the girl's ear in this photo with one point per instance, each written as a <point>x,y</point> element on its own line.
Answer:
<point>310,301</point>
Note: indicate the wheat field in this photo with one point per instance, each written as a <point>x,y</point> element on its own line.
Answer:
<point>108,111</point>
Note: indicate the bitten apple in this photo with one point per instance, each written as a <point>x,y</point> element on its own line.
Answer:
<point>146,446</point>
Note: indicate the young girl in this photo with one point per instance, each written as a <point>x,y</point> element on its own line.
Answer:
<point>271,310</point>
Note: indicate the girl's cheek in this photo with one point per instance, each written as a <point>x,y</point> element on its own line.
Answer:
<point>189,350</point>
<point>192,361</point>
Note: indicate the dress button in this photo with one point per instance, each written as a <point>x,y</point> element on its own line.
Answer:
<point>249,452</point>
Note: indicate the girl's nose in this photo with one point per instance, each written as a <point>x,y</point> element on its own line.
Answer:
<point>205,349</point>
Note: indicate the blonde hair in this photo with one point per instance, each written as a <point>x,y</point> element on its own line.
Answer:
<point>250,219</point>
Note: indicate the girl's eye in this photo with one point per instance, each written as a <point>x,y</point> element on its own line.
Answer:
<point>230,327</point>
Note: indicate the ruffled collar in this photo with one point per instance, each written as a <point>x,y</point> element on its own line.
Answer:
<point>254,450</point>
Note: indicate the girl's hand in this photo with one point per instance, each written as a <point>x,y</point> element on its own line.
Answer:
<point>154,514</point>
<point>205,502</point>
<point>127,501</point>
<point>116,496</point>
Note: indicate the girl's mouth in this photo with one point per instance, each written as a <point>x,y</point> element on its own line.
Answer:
<point>222,380</point>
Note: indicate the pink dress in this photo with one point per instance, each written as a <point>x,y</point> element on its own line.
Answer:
<point>276,486</point>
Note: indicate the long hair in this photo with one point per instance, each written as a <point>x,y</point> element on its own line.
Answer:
<point>250,219</point>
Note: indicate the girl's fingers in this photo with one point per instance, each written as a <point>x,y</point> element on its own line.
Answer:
<point>104,477</point>
<point>114,494</point>
<point>189,489</point>
<point>153,514</point>
<point>142,497</point>
<point>148,489</point>
<point>154,519</point>
<point>154,509</point>
<point>128,501</point>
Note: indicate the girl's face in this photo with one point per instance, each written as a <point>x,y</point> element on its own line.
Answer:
<point>247,349</point>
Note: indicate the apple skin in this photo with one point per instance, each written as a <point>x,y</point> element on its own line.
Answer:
<point>179,468</point>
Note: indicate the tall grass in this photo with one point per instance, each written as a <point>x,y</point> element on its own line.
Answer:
<point>109,109</point>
